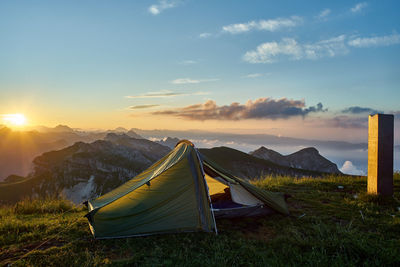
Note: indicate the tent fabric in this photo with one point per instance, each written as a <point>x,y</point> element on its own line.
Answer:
<point>170,196</point>
<point>173,195</point>
<point>242,196</point>
<point>215,186</point>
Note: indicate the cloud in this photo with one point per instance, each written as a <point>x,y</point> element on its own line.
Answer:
<point>161,6</point>
<point>204,35</point>
<point>161,94</point>
<point>263,25</point>
<point>326,48</point>
<point>359,110</point>
<point>323,14</point>
<point>349,168</point>
<point>256,75</point>
<point>376,41</point>
<point>358,7</point>
<point>269,52</point>
<point>188,62</point>
<point>266,52</point>
<point>144,106</point>
<point>165,94</point>
<point>191,81</point>
<point>262,108</point>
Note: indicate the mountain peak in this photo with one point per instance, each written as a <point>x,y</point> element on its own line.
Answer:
<point>307,158</point>
<point>269,154</point>
<point>62,128</point>
<point>133,134</point>
<point>310,150</point>
<point>116,136</point>
<point>120,129</point>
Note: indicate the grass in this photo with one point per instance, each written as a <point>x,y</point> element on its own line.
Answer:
<point>333,222</point>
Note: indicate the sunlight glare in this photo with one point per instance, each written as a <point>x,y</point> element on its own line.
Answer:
<point>16,119</point>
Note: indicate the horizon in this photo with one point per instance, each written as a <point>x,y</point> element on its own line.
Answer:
<point>44,128</point>
<point>350,157</point>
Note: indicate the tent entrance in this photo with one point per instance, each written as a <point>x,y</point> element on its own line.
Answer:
<point>231,199</point>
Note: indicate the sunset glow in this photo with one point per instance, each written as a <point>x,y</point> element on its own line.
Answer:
<point>14,119</point>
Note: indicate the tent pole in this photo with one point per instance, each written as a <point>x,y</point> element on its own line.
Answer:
<point>208,193</point>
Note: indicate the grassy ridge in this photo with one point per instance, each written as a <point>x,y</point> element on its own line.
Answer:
<point>329,225</point>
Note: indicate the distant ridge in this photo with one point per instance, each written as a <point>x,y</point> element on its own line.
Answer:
<point>247,166</point>
<point>133,134</point>
<point>169,141</point>
<point>252,139</point>
<point>307,159</point>
<point>120,130</point>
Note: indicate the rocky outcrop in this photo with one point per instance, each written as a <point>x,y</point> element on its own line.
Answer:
<point>169,142</point>
<point>87,170</point>
<point>133,134</point>
<point>145,146</point>
<point>306,159</point>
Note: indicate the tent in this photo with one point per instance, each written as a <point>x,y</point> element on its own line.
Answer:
<point>182,192</point>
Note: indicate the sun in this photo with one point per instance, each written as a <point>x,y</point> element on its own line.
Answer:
<point>16,119</point>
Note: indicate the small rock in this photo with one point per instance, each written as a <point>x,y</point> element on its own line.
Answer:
<point>340,187</point>
<point>355,196</point>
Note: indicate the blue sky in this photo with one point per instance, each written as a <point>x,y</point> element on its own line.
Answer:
<point>144,63</point>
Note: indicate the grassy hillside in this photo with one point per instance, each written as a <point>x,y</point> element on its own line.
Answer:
<point>333,222</point>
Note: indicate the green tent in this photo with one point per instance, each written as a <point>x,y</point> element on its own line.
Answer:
<point>182,192</point>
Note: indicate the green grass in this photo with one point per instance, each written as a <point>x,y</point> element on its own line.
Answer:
<point>329,225</point>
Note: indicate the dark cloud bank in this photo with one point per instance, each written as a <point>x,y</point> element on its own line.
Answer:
<point>360,110</point>
<point>262,108</point>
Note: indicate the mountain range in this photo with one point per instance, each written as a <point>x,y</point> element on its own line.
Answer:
<point>86,170</point>
<point>19,148</point>
<point>252,139</point>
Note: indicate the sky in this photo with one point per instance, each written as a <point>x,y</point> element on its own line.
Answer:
<point>313,69</point>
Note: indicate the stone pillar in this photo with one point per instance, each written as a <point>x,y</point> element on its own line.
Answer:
<point>380,154</point>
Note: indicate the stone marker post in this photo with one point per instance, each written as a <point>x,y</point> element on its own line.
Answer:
<point>380,154</point>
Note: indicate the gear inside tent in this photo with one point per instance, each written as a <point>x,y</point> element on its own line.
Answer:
<point>182,192</point>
